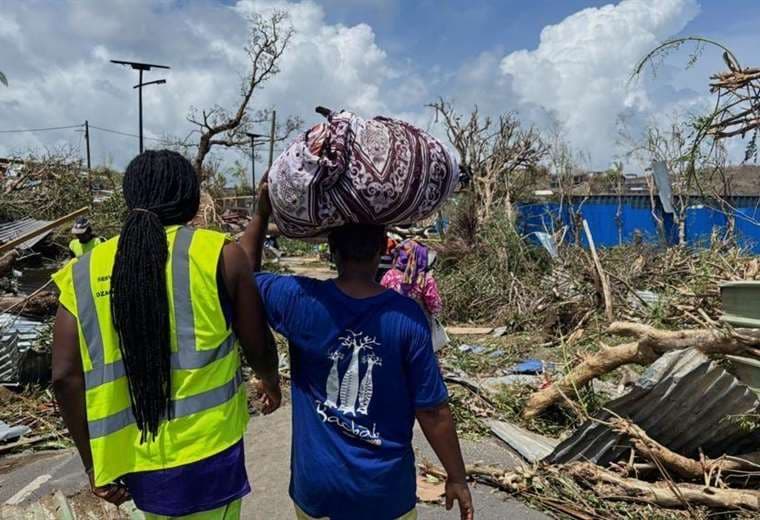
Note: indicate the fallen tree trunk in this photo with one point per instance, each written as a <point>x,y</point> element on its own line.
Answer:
<point>614,487</point>
<point>610,486</point>
<point>509,481</point>
<point>39,305</point>
<point>651,345</point>
<point>707,341</point>
<point>602,362</point>
<point>684,467</point>
<point>7,261</point>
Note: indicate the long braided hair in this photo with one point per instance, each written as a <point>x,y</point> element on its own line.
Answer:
<point>160,189</point>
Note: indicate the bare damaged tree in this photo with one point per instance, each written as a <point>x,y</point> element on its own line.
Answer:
<point>737,93</point>
<point>268,38</point>
<point>692,169</point>
<point>561,159</point>
<point>671,146</point>
<point>499,155</point>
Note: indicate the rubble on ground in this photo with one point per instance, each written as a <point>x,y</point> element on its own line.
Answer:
<point>590,404</point>
<point>647,416</point>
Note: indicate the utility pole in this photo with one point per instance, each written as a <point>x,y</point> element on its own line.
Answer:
<point>87,142</point>
<point>142,67</point>
<point>271,138</point>
<point>87,145</point>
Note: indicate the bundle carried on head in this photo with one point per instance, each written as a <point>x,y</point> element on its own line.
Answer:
<point>352,170</point>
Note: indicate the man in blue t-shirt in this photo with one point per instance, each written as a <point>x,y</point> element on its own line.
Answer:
<point>363,369</point>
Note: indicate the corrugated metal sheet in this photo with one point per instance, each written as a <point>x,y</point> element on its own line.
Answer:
<point>682,401</point>
<point>531,446</point>
<point>11,230</point>
<point>17,335</point>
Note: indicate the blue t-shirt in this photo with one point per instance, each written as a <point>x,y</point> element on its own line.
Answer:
<point>359,368</point>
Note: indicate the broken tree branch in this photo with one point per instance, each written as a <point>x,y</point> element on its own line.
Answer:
<point>684,467</point>
<point>614,487</point>
<point>651,345</point>
<point>602,362</point>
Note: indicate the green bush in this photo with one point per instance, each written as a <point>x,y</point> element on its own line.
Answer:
<point>494,279</point>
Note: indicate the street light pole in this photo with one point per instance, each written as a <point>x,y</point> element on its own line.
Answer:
<point>139,89</point>
<point>139,109</point>
<point>142,67</point>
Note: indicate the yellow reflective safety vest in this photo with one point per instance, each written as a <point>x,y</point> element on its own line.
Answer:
<point>210,411</point>
<point>78,248</point>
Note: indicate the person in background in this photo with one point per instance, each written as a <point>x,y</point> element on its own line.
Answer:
<point>386,260</point>
<point>84,239</point>
<point>411,276</point>
<point>146,358</point>
<point>362,370</point>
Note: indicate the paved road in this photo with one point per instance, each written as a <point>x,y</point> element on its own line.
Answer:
<point>26,479</point>
<point>268,453</point>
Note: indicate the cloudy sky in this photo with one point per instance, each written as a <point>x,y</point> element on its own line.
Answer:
<point>548,60</point>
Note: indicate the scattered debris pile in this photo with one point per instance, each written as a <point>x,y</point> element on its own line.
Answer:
<point>599,439</point>
<point>679,439</point>
<point>234,221</point>
<point>35,413</point>
<point>58,506</point>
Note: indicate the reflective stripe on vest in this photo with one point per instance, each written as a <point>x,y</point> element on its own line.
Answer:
<point>179,408</point>
<point>186,357</point>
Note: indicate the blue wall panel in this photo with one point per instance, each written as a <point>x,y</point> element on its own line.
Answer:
<point>700,223</point>
<point>614,220</point>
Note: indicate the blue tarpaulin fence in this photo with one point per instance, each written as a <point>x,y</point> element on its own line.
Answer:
<point>617,220</point>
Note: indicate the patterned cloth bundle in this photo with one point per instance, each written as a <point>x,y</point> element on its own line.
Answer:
<point>352,170</point>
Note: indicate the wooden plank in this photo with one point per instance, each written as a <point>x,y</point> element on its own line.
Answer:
<point>44,229</point>
<point>469,331</point>
<point>602,275</point>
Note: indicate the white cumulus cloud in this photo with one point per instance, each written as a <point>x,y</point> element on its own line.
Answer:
<point>580,69</point>
<point>63,76</point>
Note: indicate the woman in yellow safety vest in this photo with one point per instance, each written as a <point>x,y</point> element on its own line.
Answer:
<point>146,363</point>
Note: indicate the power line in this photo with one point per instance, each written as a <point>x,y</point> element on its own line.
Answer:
<point>126,134</point>
<point>26,130</point>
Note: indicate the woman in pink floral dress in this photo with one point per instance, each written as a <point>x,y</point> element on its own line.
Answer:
<point>411,277</point>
